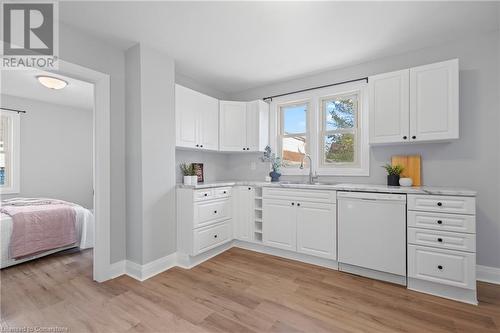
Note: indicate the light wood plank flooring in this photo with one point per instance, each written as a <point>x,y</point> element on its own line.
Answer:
<point>237,291</point>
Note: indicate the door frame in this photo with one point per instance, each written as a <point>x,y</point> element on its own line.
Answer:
<point>101,163</point>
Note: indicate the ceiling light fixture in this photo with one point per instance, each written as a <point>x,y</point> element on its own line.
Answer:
<point>52,82</point>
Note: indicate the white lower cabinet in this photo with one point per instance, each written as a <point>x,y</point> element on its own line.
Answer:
<point>243,212</point>
<point>317,229</point>
<point>204,219</point>
<point>442,246</point>
<point>300,224</point>
<point>279,224</point>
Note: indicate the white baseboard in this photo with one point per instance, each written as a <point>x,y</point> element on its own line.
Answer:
<point>488,274</point>
<point>187,262</point>
<point>144,272</point>
<point>116,269</point>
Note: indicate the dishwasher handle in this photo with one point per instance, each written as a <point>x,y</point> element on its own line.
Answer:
<point>371,196</point>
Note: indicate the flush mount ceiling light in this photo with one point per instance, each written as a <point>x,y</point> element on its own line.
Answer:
<point>52,82</point>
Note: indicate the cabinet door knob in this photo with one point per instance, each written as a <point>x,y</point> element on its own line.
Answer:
<point>298,204</point>
<point>215,212</point>
<point>440,240</point>
<point>224,192</point>
<point>439,222</point>
<point>249,188</point>
<point>206,194</point>
<point>405,137</point>
<point>440,267</point>
<point>215,236</point>
<point>293,203</point>
<point>414,137</point>
<point>244,148</point>
<point>248,148</point>
<point>201,146</point>
<point>440,204</point>
<point>197,145</point>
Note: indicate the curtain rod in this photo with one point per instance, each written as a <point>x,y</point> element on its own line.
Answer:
<point>12,110</point>
<point>325,86</point>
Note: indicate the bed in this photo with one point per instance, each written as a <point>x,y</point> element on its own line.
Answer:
<point>83,229</point>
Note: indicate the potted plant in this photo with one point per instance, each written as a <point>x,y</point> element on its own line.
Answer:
<point>275,161</point>
<point>393,173</point>
<point>188,172</point>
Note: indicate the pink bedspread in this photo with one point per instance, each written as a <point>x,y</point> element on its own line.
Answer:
<point>40,227</point>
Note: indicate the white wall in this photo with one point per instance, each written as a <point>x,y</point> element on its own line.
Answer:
<point>83,49</point>
<point>215,165</point>
<point>151,217</point>
<point>471,162</point>
<point>56,151</point>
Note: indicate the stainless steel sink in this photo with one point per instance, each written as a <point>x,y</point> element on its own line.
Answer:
<point>305,184</point>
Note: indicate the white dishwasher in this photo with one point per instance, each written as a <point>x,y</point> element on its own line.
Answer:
<point>372,235</point>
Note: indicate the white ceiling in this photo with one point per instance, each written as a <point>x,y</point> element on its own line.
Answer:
<point>23,83</point>
<point>234,46</point>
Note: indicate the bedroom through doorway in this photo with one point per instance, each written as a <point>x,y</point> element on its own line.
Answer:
<point>47,170</point>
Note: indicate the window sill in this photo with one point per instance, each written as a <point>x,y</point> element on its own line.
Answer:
<point>358,172</point>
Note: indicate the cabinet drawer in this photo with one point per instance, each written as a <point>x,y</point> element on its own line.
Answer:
<point>295,194</point>
<point>445,204</point>
<point>453,268</point>
<point>210,212</point>
<point>222,192</point>
<point>200,195</point>
<point>209,237</point>
<point>442,239</point>
<point>446,222</point>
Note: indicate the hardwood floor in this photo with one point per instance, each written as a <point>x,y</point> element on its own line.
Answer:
<point>237,291</point>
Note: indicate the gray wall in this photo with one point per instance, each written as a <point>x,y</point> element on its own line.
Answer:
<point>150,123</point>
<point>470,162</point>
<point>85,50</point>
<point>56,151</point>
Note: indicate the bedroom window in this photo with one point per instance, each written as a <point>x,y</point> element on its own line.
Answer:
<point>293,133</point>
<point>9,153</point>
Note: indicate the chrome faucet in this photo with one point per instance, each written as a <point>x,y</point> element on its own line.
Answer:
<point>312,177</point>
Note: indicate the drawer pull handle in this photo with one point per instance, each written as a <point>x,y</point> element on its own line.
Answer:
<point>206,194</point>
<point>440,204</point>
<point>405,137</point>
<point>215,236</point>
<point>293,203</point>
<point>440,240</point>
<point>298,204</point>
<point>440,222</point>
<point>215,212</point>
<point>249,188</point>
<point>440,267</point>
<point>224,192</point>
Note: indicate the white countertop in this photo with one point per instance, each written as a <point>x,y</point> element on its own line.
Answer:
<point>342,187</point>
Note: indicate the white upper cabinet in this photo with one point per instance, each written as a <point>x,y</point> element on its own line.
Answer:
<point>389,107</point>
<point>434,101</point>
<point>416,104</point>
<point>244,126</point>
<point>197,119</point>
<point>232,127</point>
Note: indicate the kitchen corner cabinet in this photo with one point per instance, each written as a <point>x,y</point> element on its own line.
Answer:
<point>244,214</point>
<point>418,104</point>
<point>197,119</point>
<point>244,126</point>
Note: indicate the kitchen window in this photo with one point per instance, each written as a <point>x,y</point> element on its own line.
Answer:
<point>9,153</point>
<point>330,124</point>
<point>339,131</point>
<point>293,133</point>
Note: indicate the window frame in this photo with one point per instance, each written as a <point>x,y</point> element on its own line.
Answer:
<point>282,135</point>
<point>314,129</point>
<point>323,132</point>
<point>14,148</point>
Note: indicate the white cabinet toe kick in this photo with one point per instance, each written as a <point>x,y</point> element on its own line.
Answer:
<point>428,244</point>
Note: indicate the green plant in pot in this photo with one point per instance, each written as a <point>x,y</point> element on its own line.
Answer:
<point>393,174</point>
<point>188,172</point>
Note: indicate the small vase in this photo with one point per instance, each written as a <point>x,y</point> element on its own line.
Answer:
<point>275,176</point>
<point>187,180</point>
<point>194,180</point>
<point>393,180</point>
